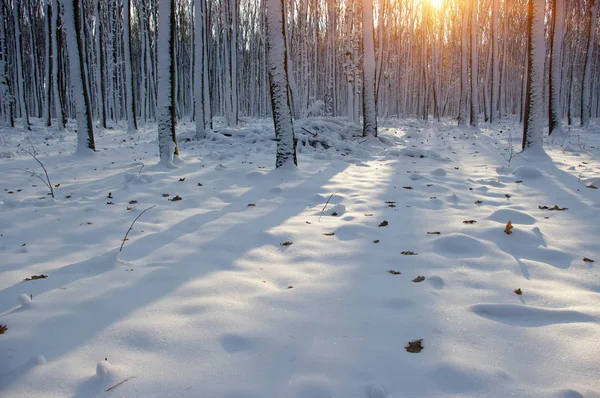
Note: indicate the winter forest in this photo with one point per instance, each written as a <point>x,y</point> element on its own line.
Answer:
<point>299,198</point>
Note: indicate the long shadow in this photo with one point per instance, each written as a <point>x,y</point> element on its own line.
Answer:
<point>117,303</point>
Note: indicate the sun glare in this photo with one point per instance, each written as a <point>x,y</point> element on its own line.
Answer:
<point>436,3</point>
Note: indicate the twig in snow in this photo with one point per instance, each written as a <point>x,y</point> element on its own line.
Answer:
<point>326,203</point>
<point>131,227</point>
<point>118,384</point>
<point>45,181</point>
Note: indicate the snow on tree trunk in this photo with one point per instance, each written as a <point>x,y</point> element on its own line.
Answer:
<point>20,77</point>
<point>199,66</point>
<point>5,95</point>
<point>464,71</point>
<point>48,74</point>
<point>556,39</point>
<point>132,124</point>
<point>57,100</point>
<point>85,127</point>
<point>369,106</point>
<point>205,72</point>
<point>494,43</point>
<point>279,85</point>
<point>474,120</point>
<point>166,83</point>
<point>587,71</point>
<point>534,100</point>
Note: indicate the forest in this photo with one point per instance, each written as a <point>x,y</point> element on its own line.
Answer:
<point>299,198</point>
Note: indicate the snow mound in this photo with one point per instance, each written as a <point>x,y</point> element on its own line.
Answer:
<point>26,301</point>
<point>503,170</point>
<point>458,246</point>
<point>527,172</point>
<point>516,217</point>
<point>415,176</point>
<point>336,211</point>
<point>106,371</point>
<point>439,173</point>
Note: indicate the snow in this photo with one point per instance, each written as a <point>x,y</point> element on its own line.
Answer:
<point>206,301</point>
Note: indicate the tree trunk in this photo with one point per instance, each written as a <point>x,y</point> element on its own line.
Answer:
<point>369,106</point>
<point>132,123</point>
<point>534,100</point>
<point>85,127</point>
<point>474,120</point>
<point>556,38</point>
<point>587,70</point>
<point>279,85</point>
<point>464,71</point>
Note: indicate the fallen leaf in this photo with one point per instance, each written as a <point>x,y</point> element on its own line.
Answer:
<point>409,253</point>
<point>391,205</point>
<point>200,185</point>
<point>369,215</point>
<point>110,195</point>
<point>456,168</point>
<point>3,328</point>
<point>507,196</point>
<point>415,346</point>
<point>433,197</point>
<point>478,202</point>
<point>165,195</point>
<point>288,243</point>
<point>132,202</point>
<point>129,208</point>
<point>469,222</point>
<point>419,279</point>
<point>588,260</point>
<point>334,214</point>
<point>56,185</point>
<point>36,277</point>
<point>290,287</point>
<point>376,241</point>
<point>508,229</point>
<point>407,187</point>
<point>68,196</point>
<point>429,185</point>
<point>518,181</point>
<point>390,202</point>
<point>383,224</point>
<point>251,205</point>
<point>329,234</point>
<point>554,208</point>
<point>308,222</point>
<point>109,203</point>
<point>592,186</point>
<point>182,179</point>
<point>518,291</point>
<point>434,233</point>
<point>394,272</point>
<point>176,198</point>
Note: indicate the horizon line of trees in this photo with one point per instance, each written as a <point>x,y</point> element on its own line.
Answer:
<point>100,61</point>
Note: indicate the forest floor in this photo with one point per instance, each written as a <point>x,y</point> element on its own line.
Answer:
<point>306,283</point>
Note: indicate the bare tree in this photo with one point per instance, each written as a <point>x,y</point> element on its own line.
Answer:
<point>278,78</point>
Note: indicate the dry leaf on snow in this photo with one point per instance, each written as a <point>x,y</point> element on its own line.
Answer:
<point>394,272</point>
<point>509,227</point>
<point>419,279</point>
<point>588,260</point>
<point>518,291</point>
<point>288,243</point>
<point>384,224</point>
<point>415,346</point>
<point>36,277</point>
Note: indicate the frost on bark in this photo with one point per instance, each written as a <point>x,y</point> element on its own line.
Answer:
<point>132,123</point>
<point>166,83</point>
<point>534,96</point>
<point>464,72</point>
<point>5,94</point>
<point>474,120</point>
<point>279,85</point>
<point>85,127</point>
<point>20,77</point>
<point>369,106</point>
<point>587,70</point>
<point>199,68</point>
<point>556,38</point>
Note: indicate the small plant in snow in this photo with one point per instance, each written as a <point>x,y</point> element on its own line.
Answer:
<point>46,178</point>
<point>509,151</point>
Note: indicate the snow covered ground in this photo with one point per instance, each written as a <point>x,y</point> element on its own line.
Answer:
<point>276,283</point>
